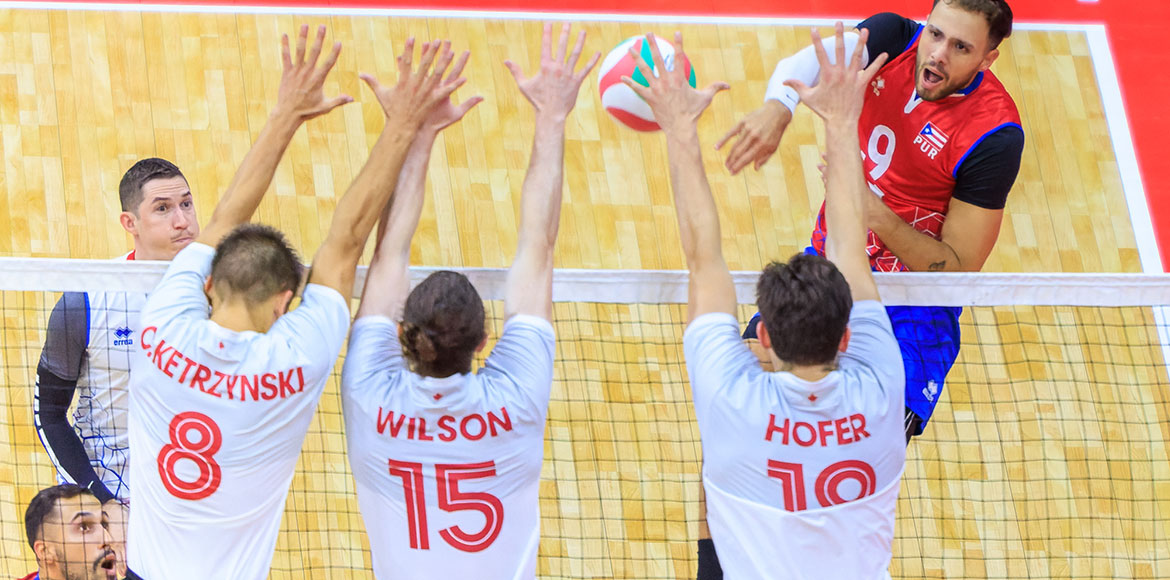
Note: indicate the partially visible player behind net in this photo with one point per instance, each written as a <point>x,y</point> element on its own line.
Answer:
<point>447,462</point>
<point>226,383</point>
<point>784,450</point>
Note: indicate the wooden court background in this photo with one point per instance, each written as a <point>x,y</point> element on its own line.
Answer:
<point>84,94</point>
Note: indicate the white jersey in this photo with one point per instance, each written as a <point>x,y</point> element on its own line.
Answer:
<point>448,470</point>
<point>801,477</point>
<point>217,419</point>
<point>105,324</point>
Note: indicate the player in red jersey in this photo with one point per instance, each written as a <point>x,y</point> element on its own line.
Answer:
<point>68,531</point>
<point>942,143</point>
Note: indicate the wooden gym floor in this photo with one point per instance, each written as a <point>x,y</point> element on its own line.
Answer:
<point>83,94</point>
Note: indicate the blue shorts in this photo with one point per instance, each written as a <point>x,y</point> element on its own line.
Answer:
<point>929,337</point>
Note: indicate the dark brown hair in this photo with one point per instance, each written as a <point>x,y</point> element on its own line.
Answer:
<point>255,262</point>
<point>997,13</point>
<point>44,503</point>
<point>130,189</point>
<point>805,306</point>
<point>442,324</point>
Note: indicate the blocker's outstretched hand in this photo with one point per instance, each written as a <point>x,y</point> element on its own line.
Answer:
<point>447,113</point>
<point>840,92</point>
<point>301,82</point>
<point>418,92</point>
<point>676,105</point>
<point>554,89</point>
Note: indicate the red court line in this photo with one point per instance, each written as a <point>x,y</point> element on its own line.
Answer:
<point>1136,32</point>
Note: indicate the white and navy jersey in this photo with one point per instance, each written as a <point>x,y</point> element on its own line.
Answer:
<point>217,419</point>
<point>88,344</point>
<point>801,478</point>
<point>448,470</point>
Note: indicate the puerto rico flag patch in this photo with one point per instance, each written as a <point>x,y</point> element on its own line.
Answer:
<point>936,137</point>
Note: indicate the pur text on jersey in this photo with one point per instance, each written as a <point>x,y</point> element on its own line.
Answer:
<point>472,427</point>
<point>841,431</point>
<point>257,387</point>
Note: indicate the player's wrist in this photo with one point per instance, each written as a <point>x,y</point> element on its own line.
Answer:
<point>284,121</point>
<point>551,118</point>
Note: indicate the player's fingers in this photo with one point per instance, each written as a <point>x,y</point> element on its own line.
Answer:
<point>640,90</point>
<point>727,137</point>
<point>715,88</point>
<point>760,162</point>
<point>371,81</point>
<point>859,50</point>
<point>562,44</point>
<point>742,153</point>
<point>467,105</point>
<point>330,60</point>
<point>656,54</point>
<point>839,35</point>
<point>797,85</point>
<point>819,48</point>
<point>337,102</point>
<point>643,66</point>
<point>459,64</point>
<point>873,68</point>
<point>515,70</point>
<point>588,67</point>
<point>427,58</point>
<point>546,42</point>
<point>444,92</point>
<point>445,58</point>
<point>576,54</point>
<point>405,59</point>
<point>285,53</point>
<point>302,38</point>
<point>315,51</point>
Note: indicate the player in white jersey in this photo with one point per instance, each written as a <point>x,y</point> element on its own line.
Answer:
<point>447,462</point>
<point>801,466</point>
<point>91,335</point>
<point>225,383</point>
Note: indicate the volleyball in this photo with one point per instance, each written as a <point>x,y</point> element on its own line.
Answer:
<point>620,100</point>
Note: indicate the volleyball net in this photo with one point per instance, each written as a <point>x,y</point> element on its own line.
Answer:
<point>1047,458</point>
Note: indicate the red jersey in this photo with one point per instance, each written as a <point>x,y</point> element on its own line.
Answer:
<point>912,149</point>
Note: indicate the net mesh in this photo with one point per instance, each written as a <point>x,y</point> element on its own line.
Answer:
<point>1046,459</point>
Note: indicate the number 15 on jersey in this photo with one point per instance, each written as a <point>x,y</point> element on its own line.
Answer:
<point>447,478</point>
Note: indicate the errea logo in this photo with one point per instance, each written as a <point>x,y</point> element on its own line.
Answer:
<point>122,336</point>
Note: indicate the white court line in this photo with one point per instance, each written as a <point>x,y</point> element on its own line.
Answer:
<point>1127,166</point>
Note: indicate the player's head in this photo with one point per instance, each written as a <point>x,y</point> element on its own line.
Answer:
<point>804,309</point>
<point>157,209</point>
<point>254,266</point>
<point>960,40</point>
<point>67,531</point>
<point>442,325</point>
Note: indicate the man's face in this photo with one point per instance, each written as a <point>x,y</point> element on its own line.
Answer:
<point>165,222</point>
<point>75,543</point>
<point>955,46</point>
